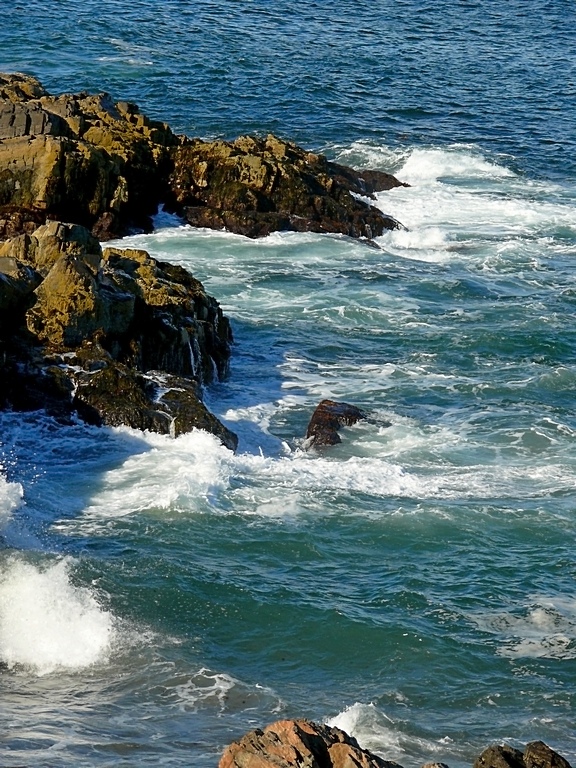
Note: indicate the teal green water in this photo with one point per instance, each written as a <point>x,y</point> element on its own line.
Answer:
<point>415,584</point>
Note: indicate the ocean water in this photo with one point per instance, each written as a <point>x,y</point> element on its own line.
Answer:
<point>414,585</point>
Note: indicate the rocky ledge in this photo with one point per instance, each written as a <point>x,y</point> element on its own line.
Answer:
<point>299,743</point>
<point>111,335</point>
<point>83,158</point>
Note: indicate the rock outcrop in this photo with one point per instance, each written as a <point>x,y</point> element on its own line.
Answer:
<point>304,744</point>
<point>327,420</point>
<point>78,158</point>
<point>113,335</point>
<point>104,165</point>
<point>299,743</point>
<point>257,186</point>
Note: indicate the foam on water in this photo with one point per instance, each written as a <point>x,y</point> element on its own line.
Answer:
<point>373,729</point>
<point>544,629</point>
<point>208,689</point>
<point>167,476</point>
<point>47,623</point>
<point>384,736</point>
<point>459,199</point>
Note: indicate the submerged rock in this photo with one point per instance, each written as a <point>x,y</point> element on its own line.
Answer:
<point>327,420</point>
<point>104,165</point>
<point>298,743</point>
<point>115,336</point>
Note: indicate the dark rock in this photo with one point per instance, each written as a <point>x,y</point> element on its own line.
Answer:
<point>435,765</point>
<point>256,186</point>
<point>327,419</point>
<point>539,755</point>
<point>15,220</point>
<point>79,158</point>
<point>500,756</point>
<point>17,283</point>
<point>110,393</point>
<point>83,158</point>
<point>299,744</point>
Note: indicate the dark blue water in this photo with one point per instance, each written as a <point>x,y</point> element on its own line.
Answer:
<point>498,75</point>
<point>416,585</point>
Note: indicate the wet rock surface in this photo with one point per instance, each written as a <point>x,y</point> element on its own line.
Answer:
<point>86,159</point>
<point>537,754</point>
<point>114,336</point>
<point>327,420</point>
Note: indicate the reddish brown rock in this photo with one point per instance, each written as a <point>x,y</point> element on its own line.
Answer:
<point>327,419</point>
<point>299,744</point>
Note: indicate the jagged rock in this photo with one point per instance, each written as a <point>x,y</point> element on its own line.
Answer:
<point>85,159</point>
<point>178,328</point>
<point>256,186</point>
<point>536,755</point>
<point>117,336</point>
<point>500,756</point>
<point>327,419</point>
<point>107,392</point>
<point>435,765</point>
<point>299,744</point>
<point>79,158</point>
<point>15,221</point>
<point>539,755</point>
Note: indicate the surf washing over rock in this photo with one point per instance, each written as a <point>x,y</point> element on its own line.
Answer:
<point>163,597</point>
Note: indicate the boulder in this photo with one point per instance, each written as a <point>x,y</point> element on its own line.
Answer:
<point>256,186</point>
<point>115,336</point>
<point>327,420</point>
<point>536,755</point>
<point>539,755</point>
<point>17,283</point>
<point>299,744</point>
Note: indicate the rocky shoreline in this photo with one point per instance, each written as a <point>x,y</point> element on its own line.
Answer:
<point>111,335</point>
<point>305,744</point>
<point>84,159</point>
<point>114,336</point>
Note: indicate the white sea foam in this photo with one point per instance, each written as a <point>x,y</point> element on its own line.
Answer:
<point>47,623</point>
<point>208,689</point>
<point>195,473</point>
<point>459,199</point>
<point>544,629</point>
<point>377,732</point>
<point>458,161</point>
<point>11,496</point>
<point>169,475</point>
